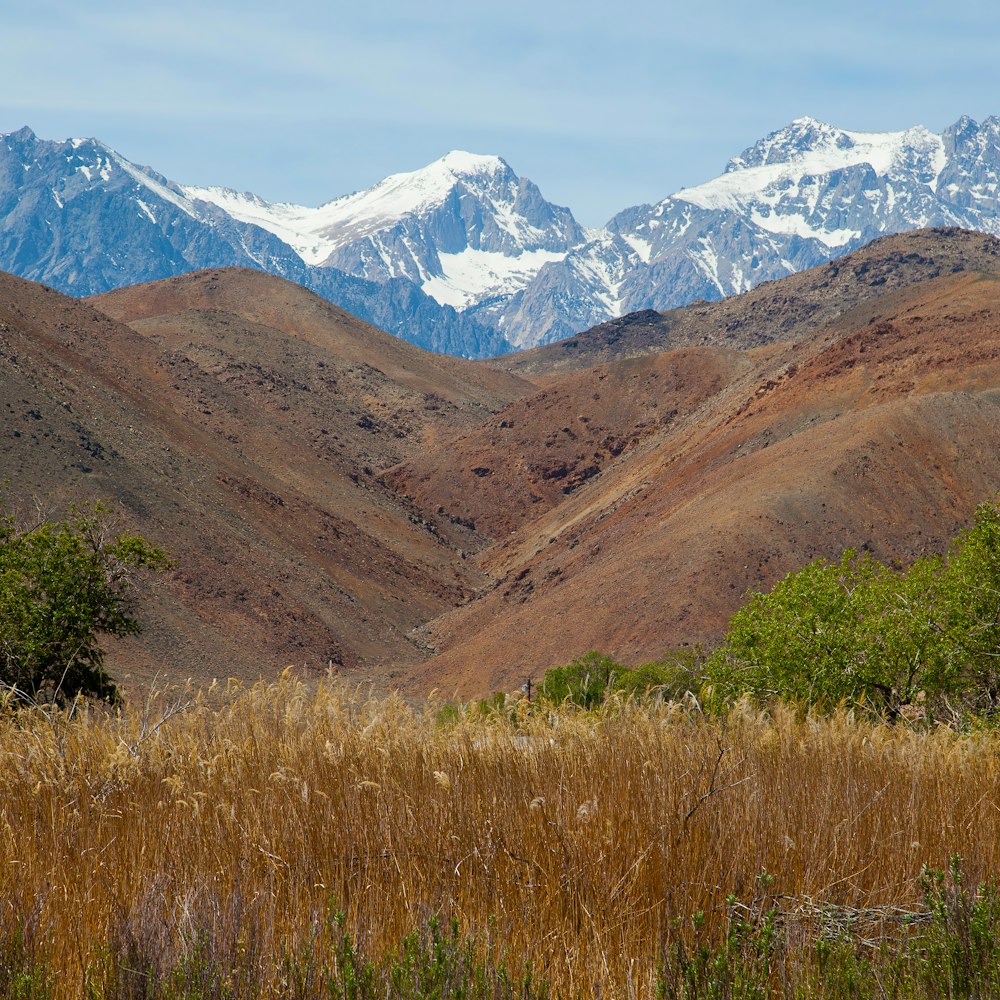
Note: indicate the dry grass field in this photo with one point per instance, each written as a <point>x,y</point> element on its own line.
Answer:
<point>592,846</point>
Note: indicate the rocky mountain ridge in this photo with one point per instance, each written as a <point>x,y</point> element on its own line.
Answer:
<point>78,216</point>
<point>466,257</point>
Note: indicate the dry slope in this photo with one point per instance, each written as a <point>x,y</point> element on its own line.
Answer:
<point>241,422</point>
<point>880,430</point>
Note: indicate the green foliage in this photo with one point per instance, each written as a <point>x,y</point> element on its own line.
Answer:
<point>22,975</point>
<point>449,714</point>
<point>669,678</point>
<point>431,963</point>
<point>583,682</point>
<point>590,678</point>
<point>859,632</point>
<point>948,948</point>
<point>973,595</point>
<point>434,962</point>
<point>63,585</point>
<point>494,706</point>
<point>739,968</point>
<point>962,950</point>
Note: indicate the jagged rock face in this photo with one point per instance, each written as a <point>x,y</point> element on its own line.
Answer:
<point>73,216</point>
<point>970,179</point>
<point>565,297</point>
<point>79,217</point>
<point>799,197</point>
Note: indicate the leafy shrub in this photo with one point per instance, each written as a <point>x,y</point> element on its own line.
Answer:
<point>584,682</point>
<point>670,678</point>
<point>590,678</point>
<point>859,632</point>
<point>63,585</point>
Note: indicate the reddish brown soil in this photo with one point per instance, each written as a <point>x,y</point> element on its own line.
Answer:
<point>543,448</point>
<point>241,424</point>
<point>880,434</point>
<point>334,495</point>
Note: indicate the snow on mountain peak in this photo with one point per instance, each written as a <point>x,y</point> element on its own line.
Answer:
<point>464,164</point>
<point>808,149</point>
<point>790,143</point>
<point>473,235</point>
<point>314,233</point>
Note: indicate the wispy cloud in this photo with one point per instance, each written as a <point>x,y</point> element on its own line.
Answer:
<point>304,99</point>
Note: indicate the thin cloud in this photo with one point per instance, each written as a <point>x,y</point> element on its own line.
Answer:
<point>305,100</point>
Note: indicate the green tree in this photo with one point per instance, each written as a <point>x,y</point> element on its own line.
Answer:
<point>799,640</point>
<point>64,585</point>
<point>860,632</point>
<point>971,586</point>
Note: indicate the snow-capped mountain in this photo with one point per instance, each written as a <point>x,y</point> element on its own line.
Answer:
<point>80,217</point>
<point>796,198</point>
<point>465,256</point>
<point>805,194</point>
<point>465,228</point>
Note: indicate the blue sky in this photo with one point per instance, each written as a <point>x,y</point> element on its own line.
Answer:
<point>603,105</point>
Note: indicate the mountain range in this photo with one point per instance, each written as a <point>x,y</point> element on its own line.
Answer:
<point>465,257</point>
<point>338,499</point>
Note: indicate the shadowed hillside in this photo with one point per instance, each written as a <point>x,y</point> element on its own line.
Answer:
<point>241,425</point>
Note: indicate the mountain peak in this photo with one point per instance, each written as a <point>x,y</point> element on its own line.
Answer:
<point>799,137</point>
<point>416,190</point>
<point>23,134</point>
<point>462,163</point>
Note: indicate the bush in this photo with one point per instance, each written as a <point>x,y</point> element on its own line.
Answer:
<point>590,678</point>
<point>861,633</point>
<point>63,585</point>
<point>584,682</point>
<point>670,678</point>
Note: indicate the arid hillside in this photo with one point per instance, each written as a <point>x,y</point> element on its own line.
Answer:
<point>240,424</point>
<point>336,497</point>
<point>880,430</point>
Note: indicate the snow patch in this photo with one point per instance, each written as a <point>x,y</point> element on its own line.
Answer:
<point>644,248</point>
<point>146,210</point>
<point>314,233</point>
<point>471,275</point>
<point>794,224</point>
<point>880,150</point>
<point>707,261</point>
<point>160,190</point>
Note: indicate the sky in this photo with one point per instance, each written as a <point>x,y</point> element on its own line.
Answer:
<point>603,105</point>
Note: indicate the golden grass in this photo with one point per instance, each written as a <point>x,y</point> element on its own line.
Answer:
<point>583,843</point>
